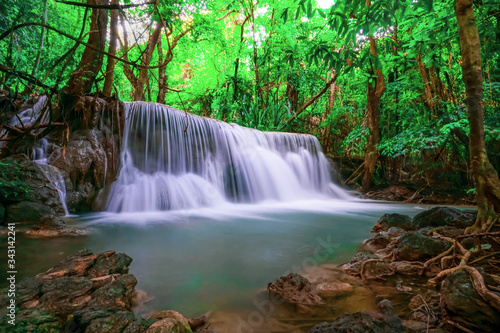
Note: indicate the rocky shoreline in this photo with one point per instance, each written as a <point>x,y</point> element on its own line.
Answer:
<point>414,275</point>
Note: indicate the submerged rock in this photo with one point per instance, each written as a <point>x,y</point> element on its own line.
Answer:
<point>463,304</point>
<point>383,321</point>
<point>169,321</point>
<point>295,289</point>
<point>441,216</point>
<point>413,246</point>
<point>334,289</point>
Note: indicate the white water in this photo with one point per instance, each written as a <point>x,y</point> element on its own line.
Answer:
<point>172,160</point>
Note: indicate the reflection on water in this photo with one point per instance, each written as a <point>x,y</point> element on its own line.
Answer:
<point>198,260</point>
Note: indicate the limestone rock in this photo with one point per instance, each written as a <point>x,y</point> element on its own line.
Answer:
<point>26,192</point>
<point>377,242</point>
<point>414,246</point>
<point>295,289</point>
<point>169,321</point>
<point>393,220</point>
<point>368,266</point>
<point>441,216</point>
<point>464,305</point>
<point>86,291</point>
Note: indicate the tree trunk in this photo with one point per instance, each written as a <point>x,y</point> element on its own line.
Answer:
<point>484,175</point>
<point>237,61</point>
<point>163,63</point>
<point>162,75</point>
<point>146,59</point>
<point>372,113</point>
<point>113,42</point>
<point>83,77</point>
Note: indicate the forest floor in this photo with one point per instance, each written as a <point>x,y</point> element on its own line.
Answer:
<point>419,195</point>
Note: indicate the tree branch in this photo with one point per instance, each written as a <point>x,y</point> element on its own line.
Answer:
<point>27,77</point>
<point>313,99</point>
<point>19,26</point>
<point>79,4</point>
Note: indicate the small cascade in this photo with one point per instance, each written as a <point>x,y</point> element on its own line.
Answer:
<point>56,178</point>
<point>39,154</point>
<point>172,160</point>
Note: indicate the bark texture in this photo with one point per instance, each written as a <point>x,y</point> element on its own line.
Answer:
<point>374,93</point>
<point>83,77</point>
<point>485,177</point>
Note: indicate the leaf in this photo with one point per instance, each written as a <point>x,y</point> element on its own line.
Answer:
<point>284,16</point>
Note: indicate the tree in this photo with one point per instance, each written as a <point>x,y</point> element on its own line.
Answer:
<point>83,77</point>
<point>485,176</point>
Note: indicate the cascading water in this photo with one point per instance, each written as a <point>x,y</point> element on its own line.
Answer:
<point>56,178</point>
<point>27,118</point>
<point>172,160</point>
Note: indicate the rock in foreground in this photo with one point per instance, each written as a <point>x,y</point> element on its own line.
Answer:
<point>295,289</point>
<point>86,292</point>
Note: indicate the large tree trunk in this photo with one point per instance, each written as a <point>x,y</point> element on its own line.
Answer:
<point>83,77</point>
<point>113,42</point>
<point>484,175</point>
<point>372,113</point>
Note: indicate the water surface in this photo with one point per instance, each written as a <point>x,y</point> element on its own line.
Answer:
<point>215,258</point>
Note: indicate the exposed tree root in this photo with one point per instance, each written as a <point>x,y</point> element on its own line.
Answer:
<point>460,327</point>
<point>457,251</point>
<point>363,267</point>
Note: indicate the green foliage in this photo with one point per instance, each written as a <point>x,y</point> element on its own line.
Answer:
<point>12,185</point>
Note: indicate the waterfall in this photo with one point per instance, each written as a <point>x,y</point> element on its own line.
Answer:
<point>39,154</point>
<point>56,178</point>
<point>174,160</point>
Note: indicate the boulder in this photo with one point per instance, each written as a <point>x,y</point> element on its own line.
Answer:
<point>464,305</point>
<point>441,216</point>
<point>368,266</point>
<point>413,246</point>
<point>295,289</point>
<point>377,242</point>
<point>382,321</point>
<point>91,158</point>
<point>169,321</point>
<point>394,232</point>
<point>449,231</point>
<point>84,164</point>
<point>27,193</point>
<point>393,220</point>
<point>87,292</point>
<point>407,268</point>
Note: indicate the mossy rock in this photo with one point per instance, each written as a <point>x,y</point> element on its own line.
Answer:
<point>13,187</point>
<point>414,246</point>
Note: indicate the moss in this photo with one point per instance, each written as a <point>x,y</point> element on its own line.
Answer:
<point>12,186</point>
